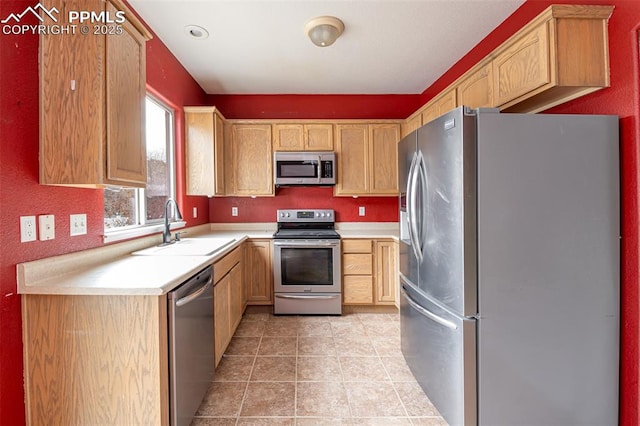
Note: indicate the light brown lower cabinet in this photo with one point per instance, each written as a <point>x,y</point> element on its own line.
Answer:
<point>228,304</point>
<point>258,272</point>
<point>369,272</point>
<point>95,360</point>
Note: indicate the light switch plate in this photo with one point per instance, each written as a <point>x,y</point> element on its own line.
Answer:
<point>77,224</point>
<point>361,211</point>
<point>27,229</point>
<point>47,226</point>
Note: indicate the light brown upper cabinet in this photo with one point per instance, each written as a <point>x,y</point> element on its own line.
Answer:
<point>92,97</point>
<point>250,171</point>
<point>303,137</point>
<point>476,89</point>
<point>443,103</point>
<point>561,55</point>
<point>204,151</point>
<point>367,157</point>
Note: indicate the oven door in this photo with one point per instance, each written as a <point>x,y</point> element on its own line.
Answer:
<point>307,266</point>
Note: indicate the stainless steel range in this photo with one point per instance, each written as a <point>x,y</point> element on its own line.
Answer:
<point>307,268</point>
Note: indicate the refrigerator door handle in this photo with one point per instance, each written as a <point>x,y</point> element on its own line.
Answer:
<point>411,228</point>
<point>421,225</point>
<point>411,207</point>
<point>427,313</point>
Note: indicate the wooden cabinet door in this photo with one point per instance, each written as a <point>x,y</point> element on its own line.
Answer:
<point>251,160</point>
<point>126,91</point>
<point>352,146</point>
<point>383,157</point>
<point>258,273</point>
<point>445,102</point>
<point>386,273</point>
<point>204,151</point>
<point>357,289</point>
<point>221,316</point>
<point>476,90</point>
<point>318,137</point>
<point>523,66</point>
<point>236,302</point>
<point>72,103</point>
<point>288,137</point>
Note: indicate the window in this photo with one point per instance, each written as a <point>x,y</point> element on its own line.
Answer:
<point>131,208</point>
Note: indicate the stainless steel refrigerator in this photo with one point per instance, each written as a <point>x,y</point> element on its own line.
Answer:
<point>510,266</point>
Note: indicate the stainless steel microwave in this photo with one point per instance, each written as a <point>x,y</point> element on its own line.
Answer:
<point>304,168</point>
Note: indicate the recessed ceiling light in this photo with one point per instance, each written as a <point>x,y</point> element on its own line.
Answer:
<point>196,31</point>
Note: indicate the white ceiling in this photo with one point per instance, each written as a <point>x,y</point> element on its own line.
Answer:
<point>259,46</point>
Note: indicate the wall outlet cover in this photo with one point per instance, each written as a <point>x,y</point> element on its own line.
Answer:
<point>234,211</point>
<point>361,211</point>
<point>47,226</point>
<point>27,229</point>
<point>77,224</point>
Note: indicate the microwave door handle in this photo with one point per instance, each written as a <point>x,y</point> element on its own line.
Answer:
<point>319,169</point>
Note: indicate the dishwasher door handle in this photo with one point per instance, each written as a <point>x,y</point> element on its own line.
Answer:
<point>193,296</point>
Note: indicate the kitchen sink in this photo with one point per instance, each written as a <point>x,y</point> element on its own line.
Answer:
<point>188,247</point>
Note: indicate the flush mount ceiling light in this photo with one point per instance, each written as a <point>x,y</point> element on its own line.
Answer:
<point>324,30</point>
<point>196,31</point>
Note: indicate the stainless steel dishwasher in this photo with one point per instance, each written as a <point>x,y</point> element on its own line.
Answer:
<point>191,362</point>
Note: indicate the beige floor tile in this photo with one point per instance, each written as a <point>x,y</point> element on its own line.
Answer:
<point>243,346</point>
<point>250,328</point>
<point>362,369</point>
<point>321,399</point>
<point>373,399</point>
<point>316,346</point>
<point>234,369</point>
<point>278,346</point>
<point>281,329</point>
<point>369,317</point>
<point>349,328</point>
<point>256,316</point>
<point>354,346</point>
<point>323,421</point>
<point>266,421</point>
<point>274,369</point>
<point>387,345</point>
<point>319,368</point>
<point>397,368</point>
<point>382,328</point>
<point>315,329</point>
<point>267,399</point>
<point>223,399</point>
<point>428,421</point>
<point>414,399</point>
<point>382,421</point>
<point>313,319</point>
<point>213,421</point>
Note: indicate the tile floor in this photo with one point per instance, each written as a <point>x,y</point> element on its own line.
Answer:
<point>316,370</point>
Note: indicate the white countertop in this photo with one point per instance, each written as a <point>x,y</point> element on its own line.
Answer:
<point>113,270</point>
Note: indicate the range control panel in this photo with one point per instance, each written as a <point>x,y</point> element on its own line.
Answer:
<point>306,216</point>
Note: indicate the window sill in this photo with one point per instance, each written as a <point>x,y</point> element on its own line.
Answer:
<point>140,231</point>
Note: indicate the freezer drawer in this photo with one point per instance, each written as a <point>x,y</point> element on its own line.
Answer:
<point>440,349</point>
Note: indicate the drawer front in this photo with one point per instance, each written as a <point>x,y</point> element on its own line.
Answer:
<point>224,265</point>
<point>358,289</point>
<point>357,264</point>
<point>357,246</point>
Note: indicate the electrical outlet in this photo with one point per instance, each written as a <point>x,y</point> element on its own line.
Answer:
<point>47,227</point>
<point>27,228</point>
<point>195,212</point>
<point>361,211</point>
<point>77,224</point>
<point>234,211</point>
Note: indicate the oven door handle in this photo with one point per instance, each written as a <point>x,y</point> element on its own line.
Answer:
<point>300,296</point>
<point>305,244</point>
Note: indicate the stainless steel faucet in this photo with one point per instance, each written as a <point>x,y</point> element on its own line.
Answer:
<point>166,233</point>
